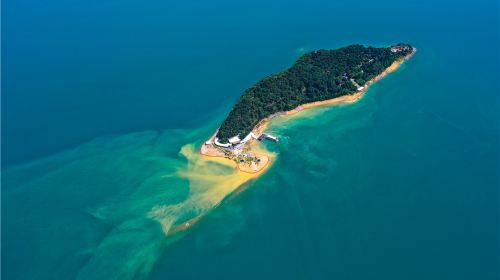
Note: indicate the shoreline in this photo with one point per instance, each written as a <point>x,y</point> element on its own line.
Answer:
<point>351,98</point>
<point>209,152</point>
<point>208,149</point>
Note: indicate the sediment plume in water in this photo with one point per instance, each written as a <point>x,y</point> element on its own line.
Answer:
<point>122,198</point>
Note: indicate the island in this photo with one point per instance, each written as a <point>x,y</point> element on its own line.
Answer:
<point>316,78</point>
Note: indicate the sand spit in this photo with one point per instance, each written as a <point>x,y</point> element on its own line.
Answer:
<point>219,186</point>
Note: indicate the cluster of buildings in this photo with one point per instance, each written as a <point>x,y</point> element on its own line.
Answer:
<point>400,48</point>
<point>237,144</point>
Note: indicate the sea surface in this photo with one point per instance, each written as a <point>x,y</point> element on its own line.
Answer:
<point>105,103</point>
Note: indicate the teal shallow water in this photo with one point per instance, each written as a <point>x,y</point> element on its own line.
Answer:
<point>401,185</point>
<point>358,192</point>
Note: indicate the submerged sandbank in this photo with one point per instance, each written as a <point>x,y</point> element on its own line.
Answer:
<point>219,185</point>
<point>211,179</point>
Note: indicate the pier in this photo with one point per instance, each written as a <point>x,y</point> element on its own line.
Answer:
<point>264,136</point>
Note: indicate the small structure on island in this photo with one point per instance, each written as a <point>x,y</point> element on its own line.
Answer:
<point>358,87</point>
<point>223,145</point>
<point>250,136</point>
<point>234,140</point>
<point>400,48</point>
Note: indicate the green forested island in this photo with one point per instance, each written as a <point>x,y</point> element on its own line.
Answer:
<point>316,76</point>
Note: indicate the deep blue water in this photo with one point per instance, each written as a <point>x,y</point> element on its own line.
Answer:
<point>98,97</point>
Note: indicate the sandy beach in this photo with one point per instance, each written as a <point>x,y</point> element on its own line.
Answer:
<point>355,96</point>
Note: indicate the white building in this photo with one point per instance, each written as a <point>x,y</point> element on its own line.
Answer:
<point>234,140</point>
<point>249,137</point>
<point>225,145</point>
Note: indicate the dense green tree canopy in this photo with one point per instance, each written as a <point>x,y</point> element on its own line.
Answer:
<point>316,76</point>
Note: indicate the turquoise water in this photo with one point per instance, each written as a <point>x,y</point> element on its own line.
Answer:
<point>101,117</point>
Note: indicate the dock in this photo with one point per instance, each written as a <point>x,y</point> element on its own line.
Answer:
<point>264,136</point>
